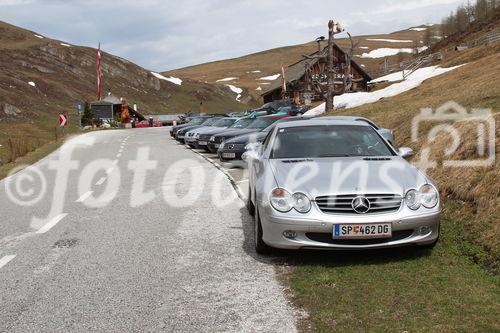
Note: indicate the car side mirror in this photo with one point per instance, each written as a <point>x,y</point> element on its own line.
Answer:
<point>253,151</point>
<point>405,152</point>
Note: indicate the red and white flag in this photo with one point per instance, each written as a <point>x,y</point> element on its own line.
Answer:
<point>99,74</point>
<point>283,78</point>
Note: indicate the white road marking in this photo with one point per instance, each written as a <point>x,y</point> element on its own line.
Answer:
<point>84,196</point>
<point>101,181</point>
<point>5,260</point>
<point>51,223</point>
<point>115,162</point>
<point>118,155</point>
<point>121,150</point>
<point>110,170</point>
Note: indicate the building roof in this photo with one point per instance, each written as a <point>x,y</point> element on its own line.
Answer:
<point>295,71</point>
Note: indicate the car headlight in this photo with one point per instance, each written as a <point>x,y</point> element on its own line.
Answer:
<point>212,138</point>
<point>221,146</point>
<point>428,196</point>
<point>281,200</point>
<point>196,135</point>
<point>412,199</point>
<point>301,202</point>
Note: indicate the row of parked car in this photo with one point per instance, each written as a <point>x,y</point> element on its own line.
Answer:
<point>397,205</point>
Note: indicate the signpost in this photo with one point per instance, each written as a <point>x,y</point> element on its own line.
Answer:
<point>79,110</point>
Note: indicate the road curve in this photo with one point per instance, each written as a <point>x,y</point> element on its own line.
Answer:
<point>141,266</point>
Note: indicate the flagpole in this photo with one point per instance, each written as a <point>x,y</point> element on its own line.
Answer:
<point>99,73</point>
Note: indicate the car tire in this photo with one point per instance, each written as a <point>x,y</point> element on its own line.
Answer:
<point>192,146</point>
<point>250,205</point>
<point>260,246</point>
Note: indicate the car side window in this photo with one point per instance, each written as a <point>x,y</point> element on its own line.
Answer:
<point>265,144</point>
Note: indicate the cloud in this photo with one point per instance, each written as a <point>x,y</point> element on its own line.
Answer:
<point>161,35</point>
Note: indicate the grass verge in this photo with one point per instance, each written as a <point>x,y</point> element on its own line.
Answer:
<point>30,158</point>
<point>402,290</point>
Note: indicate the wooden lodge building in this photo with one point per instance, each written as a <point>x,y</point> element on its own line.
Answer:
<point>306,80</point>
<point>110,107</point>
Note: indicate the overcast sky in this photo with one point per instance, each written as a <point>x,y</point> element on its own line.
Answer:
<point>162,35</point>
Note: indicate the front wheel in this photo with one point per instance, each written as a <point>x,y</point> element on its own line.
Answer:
<point>260,246</point>
<point>250,205</point>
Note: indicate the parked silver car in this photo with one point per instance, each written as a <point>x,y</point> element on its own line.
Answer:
<point>337,184</point>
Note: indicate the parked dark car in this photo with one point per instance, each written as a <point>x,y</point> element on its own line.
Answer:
<point>232,149</point>
<point>199,137</point>
<point>255,126</point>
<point>192,122</point>
<point>210,121</point>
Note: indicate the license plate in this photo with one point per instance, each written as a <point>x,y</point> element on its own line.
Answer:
<point>360,231</point>
<point>228,155</point>
<point>202,143</point>
<point>217,145</point>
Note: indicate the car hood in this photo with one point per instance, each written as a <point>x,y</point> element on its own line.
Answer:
<point>238,131</point>
<point>179,127</point>
<point>210,130</point>
<point>190,128</point>
<point>249,137</point>
<point>346,175</point>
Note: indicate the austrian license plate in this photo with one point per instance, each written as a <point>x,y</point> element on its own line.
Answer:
<point>228,155</point>
<point>202,143</point>
<point>360,231</point>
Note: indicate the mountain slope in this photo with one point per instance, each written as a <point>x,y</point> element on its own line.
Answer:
<point>41,77</point>
<point>247,70</point>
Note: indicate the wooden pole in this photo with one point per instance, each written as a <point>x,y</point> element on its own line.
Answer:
<point>331,75</point>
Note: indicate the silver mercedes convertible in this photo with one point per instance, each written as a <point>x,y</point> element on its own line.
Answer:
<point>335,184</point>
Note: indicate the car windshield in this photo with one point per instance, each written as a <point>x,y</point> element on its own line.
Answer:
<point>262,123</point>
<point>198,121</point>
<point>328,141</point>
<point>211,122</point>
<point>224,122</point>
<point>242,123</point>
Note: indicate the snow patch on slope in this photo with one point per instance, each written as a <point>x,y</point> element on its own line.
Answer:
<point>390,40</point>
<point>227,79</point>
<point>38,36</point>
<point>64,44</point>
<point>171,79</point>
<point>418,29</point>
<point>270,77</point>
<point>31,83</point>
<point>236,90</point>
<point>347,101</point>
<point>387,52</point>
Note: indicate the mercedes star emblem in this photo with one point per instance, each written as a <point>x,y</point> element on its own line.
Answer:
<point>360,204</point>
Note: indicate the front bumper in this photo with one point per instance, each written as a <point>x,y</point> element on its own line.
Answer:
<point>421,229</point>
<point>237,155</point>
<point>213,146</point>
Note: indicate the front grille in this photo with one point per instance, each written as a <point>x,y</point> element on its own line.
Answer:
<point>342,204</point>
<point>204,137</point>
<point>234,146</point>
<point>327,238</point>
<point>190,134</point>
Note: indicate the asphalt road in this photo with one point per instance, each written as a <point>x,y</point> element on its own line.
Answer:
<point>93,255</point>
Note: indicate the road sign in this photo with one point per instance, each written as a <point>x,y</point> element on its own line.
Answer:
<point>63,120</point>
<point>79,107</point>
